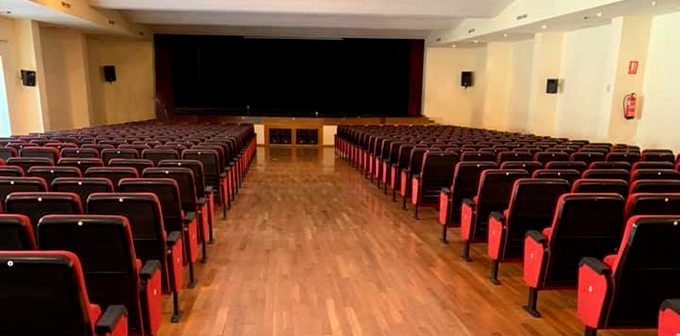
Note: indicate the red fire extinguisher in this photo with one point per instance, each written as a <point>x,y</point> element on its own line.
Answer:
<point>629,105</point>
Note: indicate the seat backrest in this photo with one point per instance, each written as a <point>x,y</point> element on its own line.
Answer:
<point>545,157</point>
<point>653,204</point>
<point>588,157</point>
<point>40,152</point>
<point>196,168</point>
<point>610,165</point>
<point>157,155</point>
<point>416,160</point>
<point>105,248</point>
<point>11,171</point>
<point>646,272</point>
<point>9,185</point>
<point>44,293</point>
<point>653,165</point>
<point>531,207</point>
<point>657,155</point>
<point>137,164</point>
<point>576,165</point>
<point>601,186</point>
<point>184,178</point>
<point>79,153</point>
<point>477,156</point>
<point>118,153</point>
<point>7,152</point>
<point>617,174</point>
<point>16,233</point>
<point>166,190</point>
<point>529,166</point>
<point>465,181</point>
<point>655,186</point>
<point>585,225</point>
<point>212,167</point>
<point>27,162</point>
<point>630,157</point>
<point>49,173</point>
<point>404,155</point>
<point>436,173</point>
<point>513,156</point>
<point>655,174</point>
<point>493,194</point>
<point>570,175</point>
<point>81,163</point>
<point>82,186</point>
<point>35,205</point>
<point>115,174</point>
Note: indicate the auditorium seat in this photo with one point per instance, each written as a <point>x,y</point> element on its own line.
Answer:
<point>612,174</point>
<point>477,156</point>
<point>118,153</point>
<point>600,186</point>
<point>30,309</point>
<point>584,225</point>
<point>214,173</point>
<point>436,173</point>
<point>49,173</point>
<point>16,233</point>
<point>652,204</point>
<point>653,165</point>
<point>81,163</point>
<point>143,211</point>
<point>157,155</point>
<point>654,174</point>
<point>399,166</point>
<point>655,186</point>
<point>27,162</point>
<point>35,205</point>
<point>570,175</point>
<point>493,194</point>
<point>665,155</point>
<point>138,164</point>
<point>545,157</point>
<point>113,274</point>
<point>529,166</point>
<point>531,206</point>
<point>576,165</point>
<point>115,174</point>
<point>588,157</point>
<point>610,165</point>
<point>513,156</point>
<point>7,152</point>
<point>82,186</point>
<point>83,153</point>
<point>9,185</point>
<point>11,171</point>
<point>630,157</point>
<point>40,152</point>
<point>414,165</point>
<point>174,219</point>
<point>669,318</point>
<point>625,289</point>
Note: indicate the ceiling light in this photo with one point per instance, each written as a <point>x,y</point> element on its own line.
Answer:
<point>453,46</point>
<point>544,27</point>
<point>653,3</point>
<point>505,35</point>
<point>599,14</point>
<point>475,41</point>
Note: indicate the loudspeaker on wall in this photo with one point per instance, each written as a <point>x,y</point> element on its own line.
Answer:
<point>109,73</point>
<point>466,79</point>
<point>552,86</point>
<point>28,77</point>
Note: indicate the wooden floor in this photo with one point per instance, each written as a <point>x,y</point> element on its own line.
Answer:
<point>312,248</point>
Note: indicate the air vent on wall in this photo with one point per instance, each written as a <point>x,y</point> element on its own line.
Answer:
<point>522,17</point>
<point>471,31</point>
<point>65,5</point>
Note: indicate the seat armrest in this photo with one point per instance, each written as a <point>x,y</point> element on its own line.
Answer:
<point>596,265</point>
<point>150,267</point>
<point>406,170</point>
<point>201,201</point>
<point>209,189</point>
<point>189,217</point>
<point>537,237</point>
<point>223,175</point>
<point>469,202</point>
<point>416,176</point>
<point>497,216</point>
<point>173,238</point>
<point>108,322</point>
<point>446,191</point>
<point>673,305</point>
<point>395,165</point>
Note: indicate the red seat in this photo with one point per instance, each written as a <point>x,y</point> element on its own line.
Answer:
<point>654,174</point>
<point>436,172</point>
<point>137,164</point>
<point>576,165</point>
<point>9,185</point>
<point>588,157</point>
<point>545,157</point>
<point>30,309</point>
<point>625,289</point>
<point>669,318</point>
<point>616,174</point>
<point>610,165</point>
<point>16,233</point>
<point>118,153</point>
<point>584,225</point>
<point>529,166</point>
<point>655,186</point>
<point>115,174</point>
<point>11,171</point>
<point>81,163</point>
<point>157,155</point>
<point>49,173</point>
<point>113,274</point>
<point>600,186</point>
<point>630,157</point>
<point>83,153</point>
<point>570,175</point>
<point>40,152</point>
<point>652,204</point>
<point>658,155</point>
<point>653,165</point>
<point>35,205</point>
<point>82,186</point>
<point>27,162</point>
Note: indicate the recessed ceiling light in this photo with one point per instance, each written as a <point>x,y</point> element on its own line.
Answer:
<point>599,14</point>
<point>505,35</point>
<point>475,41</point>
<point>544,27</point>
<point>453,46</point>
<point>653,3</point>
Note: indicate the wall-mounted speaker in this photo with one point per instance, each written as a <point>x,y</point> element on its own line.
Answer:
<point>109,73</point>
<point>466,79</point>
<point>28,77</point>
<point>552,86</point>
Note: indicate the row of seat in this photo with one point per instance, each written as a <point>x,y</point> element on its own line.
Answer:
<point>550,215</point>
<point>134,229</point>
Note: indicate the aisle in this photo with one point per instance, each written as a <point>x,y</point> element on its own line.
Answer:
<point>312,248</point>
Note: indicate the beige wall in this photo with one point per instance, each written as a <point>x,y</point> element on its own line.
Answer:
<point>131,96</point>
<point>64,58</point>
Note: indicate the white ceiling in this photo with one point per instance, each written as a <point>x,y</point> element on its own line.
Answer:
<point>341,18</point>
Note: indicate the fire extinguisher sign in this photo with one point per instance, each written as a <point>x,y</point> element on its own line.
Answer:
<point>633,67</point>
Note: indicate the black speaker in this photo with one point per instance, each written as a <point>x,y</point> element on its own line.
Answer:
<point>466,79</point>
<point>552,86</point>
<point>28,77</point>
<point>109,73</point>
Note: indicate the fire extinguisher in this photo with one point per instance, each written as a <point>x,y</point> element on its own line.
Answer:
<point>629,105</point>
